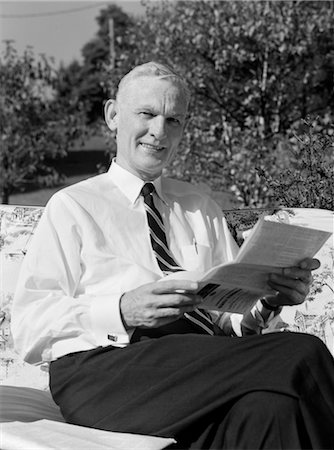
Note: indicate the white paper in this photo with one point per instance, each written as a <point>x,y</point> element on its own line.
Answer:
<point>270,247</point>
<point>277,244</point>
<point>49,435</point>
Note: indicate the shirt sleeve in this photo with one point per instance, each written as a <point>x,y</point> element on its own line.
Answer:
<point>50,308</point>
<point>253,322</point>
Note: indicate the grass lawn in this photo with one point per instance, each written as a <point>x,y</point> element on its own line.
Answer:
<point>41,196</point>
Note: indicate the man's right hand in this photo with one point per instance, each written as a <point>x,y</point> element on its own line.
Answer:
<point>155,304</point>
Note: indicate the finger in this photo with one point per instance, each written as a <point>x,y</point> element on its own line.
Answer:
<point>159,322</point>
<point>287,296</point>
<point>173,300</point>
<point>310,264</point>
<point>164,316</point>
<point>168,286</point>
<point>277,282</point>
<point>176,312</point>
<point>296,273</point>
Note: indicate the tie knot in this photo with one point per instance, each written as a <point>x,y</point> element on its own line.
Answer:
<point>147,189</point>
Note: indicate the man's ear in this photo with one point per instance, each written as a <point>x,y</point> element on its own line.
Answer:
<point>110,114</point>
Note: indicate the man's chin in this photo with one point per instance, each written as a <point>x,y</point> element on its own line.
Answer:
<point>151,172</point>
<point>152,163</point>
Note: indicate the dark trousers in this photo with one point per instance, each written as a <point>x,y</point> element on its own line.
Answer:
<point>274,391</point>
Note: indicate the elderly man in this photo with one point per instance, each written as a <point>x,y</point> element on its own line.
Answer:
<point>131,353</point>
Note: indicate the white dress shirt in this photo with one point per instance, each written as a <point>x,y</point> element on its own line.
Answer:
<point>91,245</point>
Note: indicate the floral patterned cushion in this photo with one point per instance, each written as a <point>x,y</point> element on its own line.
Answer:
<point>17,225</point>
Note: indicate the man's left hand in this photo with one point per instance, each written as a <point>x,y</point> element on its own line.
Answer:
<point>293,284</point>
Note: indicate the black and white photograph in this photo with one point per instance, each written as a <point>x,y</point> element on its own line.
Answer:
<point>166,225</point>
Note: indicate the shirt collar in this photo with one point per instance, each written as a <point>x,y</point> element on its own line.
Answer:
<point>130,184</point>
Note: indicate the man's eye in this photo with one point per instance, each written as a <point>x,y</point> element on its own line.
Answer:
<point>174,121</point>
<point>146,114</point>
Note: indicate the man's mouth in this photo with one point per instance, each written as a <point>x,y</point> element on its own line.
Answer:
<point>152,148</point>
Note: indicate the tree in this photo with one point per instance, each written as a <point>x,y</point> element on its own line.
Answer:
<point>34,125</point>
<point>308,181</point>
<point>98,76</point>
<point>255,69</point>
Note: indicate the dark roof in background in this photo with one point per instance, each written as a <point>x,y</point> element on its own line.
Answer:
<point>97,143</point>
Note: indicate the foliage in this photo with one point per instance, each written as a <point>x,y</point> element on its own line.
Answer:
<point>323,278</point>
<point>254,68</point>
<point>98,74</point>
<point>238,222</point>
<point>34,125</point>
<point>68,82</point>
<point>308,181</point>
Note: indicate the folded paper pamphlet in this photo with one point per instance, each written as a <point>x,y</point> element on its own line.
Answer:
<point>47,434</point>
<point>269,247</point>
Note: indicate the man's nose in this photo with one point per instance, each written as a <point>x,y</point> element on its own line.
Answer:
<point>158,127</point>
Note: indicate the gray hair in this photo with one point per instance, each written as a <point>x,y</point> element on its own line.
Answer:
<point>153,69</point>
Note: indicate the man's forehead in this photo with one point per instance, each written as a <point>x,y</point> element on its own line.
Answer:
<point>149,88</point>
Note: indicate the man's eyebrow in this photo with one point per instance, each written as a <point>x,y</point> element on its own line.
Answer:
<point>154,110</point>
<point>139,107</point>
<point>179,114</point>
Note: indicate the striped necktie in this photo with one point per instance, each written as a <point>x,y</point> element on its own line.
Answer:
<point>164,256</point>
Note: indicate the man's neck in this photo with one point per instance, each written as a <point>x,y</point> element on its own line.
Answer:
<point>142,175</point>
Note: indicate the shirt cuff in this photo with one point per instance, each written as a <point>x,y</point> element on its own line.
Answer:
<point>106,321</point>
<point>253,322</point>
<point>258,318</point>
<point>267,313</point>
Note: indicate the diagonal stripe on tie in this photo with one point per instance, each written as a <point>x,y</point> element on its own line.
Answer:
<point>164,256</point>
<point>160,248</point>
<point>198,319</point>
<point>155,217</point>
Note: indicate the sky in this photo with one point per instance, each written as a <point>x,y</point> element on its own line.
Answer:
<point>59,29</point>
